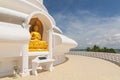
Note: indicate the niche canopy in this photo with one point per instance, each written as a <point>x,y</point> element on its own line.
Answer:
<point>45,19</point>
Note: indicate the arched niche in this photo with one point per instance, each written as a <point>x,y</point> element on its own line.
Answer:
<point>45,23</point>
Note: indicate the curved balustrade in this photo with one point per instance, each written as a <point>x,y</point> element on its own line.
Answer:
<point>106,56</point>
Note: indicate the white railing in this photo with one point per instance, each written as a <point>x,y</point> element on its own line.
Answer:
<point>106,56</point>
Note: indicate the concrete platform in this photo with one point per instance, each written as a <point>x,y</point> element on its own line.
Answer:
<point>78,68</point>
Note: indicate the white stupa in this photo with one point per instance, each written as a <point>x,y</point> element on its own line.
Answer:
<point>17,20</point>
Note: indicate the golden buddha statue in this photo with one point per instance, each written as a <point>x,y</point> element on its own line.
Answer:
<point>36,44</point>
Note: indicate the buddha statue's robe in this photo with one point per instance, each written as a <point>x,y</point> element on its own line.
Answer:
<point>36,44</point>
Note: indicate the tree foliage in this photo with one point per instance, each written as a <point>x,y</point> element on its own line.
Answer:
<point>96,48</point>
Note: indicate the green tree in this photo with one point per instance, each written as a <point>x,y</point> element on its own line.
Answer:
<point>96,48</point>
<point>88,49</point>
<point>111,50</point>
<point>105,49</point>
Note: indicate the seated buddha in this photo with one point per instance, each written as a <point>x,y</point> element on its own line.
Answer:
<point>36,44</point>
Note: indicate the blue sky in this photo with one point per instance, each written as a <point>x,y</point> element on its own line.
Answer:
<point>88,22</point>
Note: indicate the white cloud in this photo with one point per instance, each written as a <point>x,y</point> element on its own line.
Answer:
<point>117,35</point>
<point>88,29</point>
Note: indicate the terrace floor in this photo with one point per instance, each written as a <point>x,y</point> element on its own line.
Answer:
<point>78,68</point>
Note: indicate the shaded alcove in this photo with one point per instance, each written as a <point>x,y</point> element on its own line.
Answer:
<point>36,22</point>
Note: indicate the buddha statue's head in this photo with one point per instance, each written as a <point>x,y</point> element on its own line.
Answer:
<point>35,28</point>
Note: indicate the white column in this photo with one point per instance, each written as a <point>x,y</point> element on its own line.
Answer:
<point>50,43</point>
<point>25,57</point>
<point>51,48</point>
<point>25,71</point>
